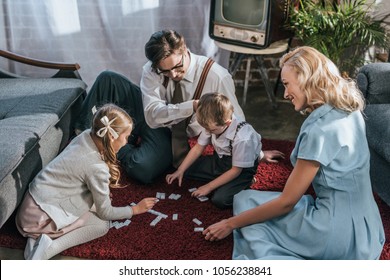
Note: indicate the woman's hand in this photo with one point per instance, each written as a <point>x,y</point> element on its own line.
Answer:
<point>218,231</point>
<point>144,205</point>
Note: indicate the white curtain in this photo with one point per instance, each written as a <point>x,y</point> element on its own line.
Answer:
<point>99,34</point>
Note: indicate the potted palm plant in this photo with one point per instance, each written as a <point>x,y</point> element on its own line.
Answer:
<point>342,30</point>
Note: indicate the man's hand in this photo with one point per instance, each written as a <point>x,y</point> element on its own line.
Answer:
<point>178,174</point>
<point>272,156</point>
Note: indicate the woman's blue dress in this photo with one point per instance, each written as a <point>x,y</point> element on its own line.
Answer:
<point>343,221</point>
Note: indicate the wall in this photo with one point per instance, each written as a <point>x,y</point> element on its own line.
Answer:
<point>100,34</point>
<point>271,64</point>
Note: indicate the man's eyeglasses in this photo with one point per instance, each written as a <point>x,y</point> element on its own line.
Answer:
<point>174,68</point>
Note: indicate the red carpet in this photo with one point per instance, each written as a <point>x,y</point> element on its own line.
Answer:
<point>171,239</point>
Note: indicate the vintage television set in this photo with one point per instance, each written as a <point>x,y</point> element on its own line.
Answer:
<point>249,23</point>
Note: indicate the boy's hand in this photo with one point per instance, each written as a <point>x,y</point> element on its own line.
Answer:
<point>144,205</point>
<point>202,191</point>
<point>195,105</point>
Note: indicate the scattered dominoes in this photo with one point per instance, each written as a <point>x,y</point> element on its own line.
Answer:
<point>160,195</point>
<point>119,225</point>
<point>154,212</point>
<point>160,216</point>
<point>113,224</point>
<point>155,221</point>
<point>202,198</point>
<point>174,196</point>
<point>196,221</point>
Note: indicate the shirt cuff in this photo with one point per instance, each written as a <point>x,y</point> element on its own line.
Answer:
<point>261,155</point>
<point>187,107</point>
<point>131,211</point>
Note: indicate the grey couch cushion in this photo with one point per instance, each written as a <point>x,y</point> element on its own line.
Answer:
<point>378,129</point>
<point>29,108</point>
<point>374,82</point>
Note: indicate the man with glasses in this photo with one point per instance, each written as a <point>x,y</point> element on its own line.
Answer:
<point>174,70</point>
<point>163,102</point>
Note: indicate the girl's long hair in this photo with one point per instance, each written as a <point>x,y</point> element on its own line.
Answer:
<point>122,121</point>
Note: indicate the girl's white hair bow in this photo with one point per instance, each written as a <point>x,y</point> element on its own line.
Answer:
<point>107,127</point>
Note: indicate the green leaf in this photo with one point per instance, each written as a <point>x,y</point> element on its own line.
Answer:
<point>342,30</point>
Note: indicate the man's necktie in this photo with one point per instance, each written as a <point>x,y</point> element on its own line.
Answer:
<point>180,146</point>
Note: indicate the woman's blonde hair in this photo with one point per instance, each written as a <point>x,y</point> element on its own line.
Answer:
<point>214,109</point>
<point>120,122</point>
<point>321,82</point>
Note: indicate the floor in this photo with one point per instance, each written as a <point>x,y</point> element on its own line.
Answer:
<point>282,123</point>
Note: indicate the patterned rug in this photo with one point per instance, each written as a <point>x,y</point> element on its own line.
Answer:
<point>175,239</point>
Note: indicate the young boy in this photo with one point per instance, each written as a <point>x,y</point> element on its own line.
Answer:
<point>237,150</point>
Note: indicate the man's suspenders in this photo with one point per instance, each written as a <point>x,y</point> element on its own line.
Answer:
<point>199,87</point>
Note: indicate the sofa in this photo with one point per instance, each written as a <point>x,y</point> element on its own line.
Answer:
<point>36,118</point>
<point>374,82</point>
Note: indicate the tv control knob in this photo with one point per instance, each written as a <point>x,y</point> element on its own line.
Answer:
<point>254,38</point>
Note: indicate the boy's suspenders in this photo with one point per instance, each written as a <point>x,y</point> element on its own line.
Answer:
<point>241,124</point>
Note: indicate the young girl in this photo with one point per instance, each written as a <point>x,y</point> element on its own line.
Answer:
<point>68,203</point>
<point>331,153</point>
<point>237,147</point>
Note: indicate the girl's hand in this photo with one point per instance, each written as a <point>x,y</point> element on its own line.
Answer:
<point>144,205</point>
<point>201,191</point>
<point>176,175</point>
<point>218,231</point>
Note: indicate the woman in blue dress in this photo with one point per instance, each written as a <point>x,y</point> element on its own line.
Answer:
<point>332,155</point>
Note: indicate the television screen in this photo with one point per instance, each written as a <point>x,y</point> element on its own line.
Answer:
<point>246,12</point>
<point>249,23</point>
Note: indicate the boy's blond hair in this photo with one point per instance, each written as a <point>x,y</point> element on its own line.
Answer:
<point>214,109</point>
